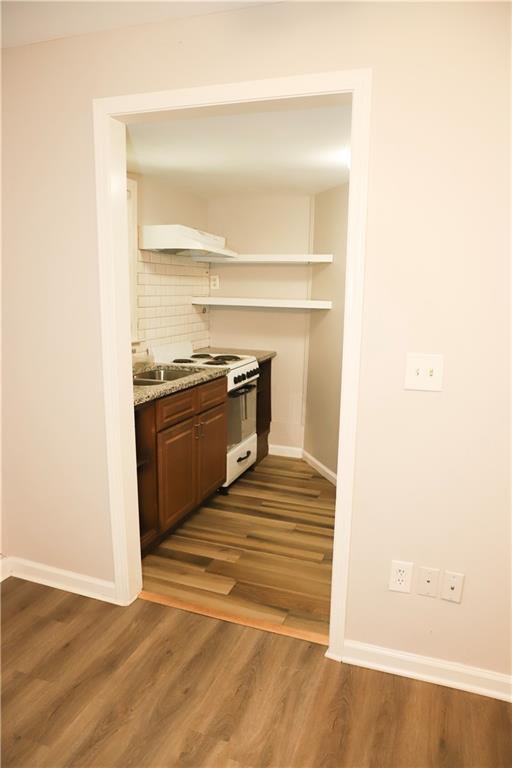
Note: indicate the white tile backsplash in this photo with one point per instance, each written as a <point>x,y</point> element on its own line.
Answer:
<point>165,286</point>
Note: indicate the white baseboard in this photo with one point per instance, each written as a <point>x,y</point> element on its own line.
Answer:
<point>59,578</point>
<point>320,468</point>
<point>285,450</point>
<point>449,673</point>
<point>293,452</point>
<point>5,567</point>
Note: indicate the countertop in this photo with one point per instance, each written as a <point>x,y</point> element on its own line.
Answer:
<point>197,375</point>
<point>154,391</point>
<point>260,354</point>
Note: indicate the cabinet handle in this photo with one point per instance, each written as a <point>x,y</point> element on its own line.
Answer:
<point>196,431</point>
<point>243,458</point>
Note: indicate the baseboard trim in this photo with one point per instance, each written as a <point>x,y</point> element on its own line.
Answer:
<point>5,567</point>
<point>484,682</point>
<point>58,578</point>
<point>292,452</point>
<point>327,473</point>
<point>288,451</point>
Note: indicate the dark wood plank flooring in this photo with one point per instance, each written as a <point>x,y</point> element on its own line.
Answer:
<point>94,685</point>
<point>260,556</point>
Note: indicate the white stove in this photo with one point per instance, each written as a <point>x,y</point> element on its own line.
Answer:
<point>242,369</point>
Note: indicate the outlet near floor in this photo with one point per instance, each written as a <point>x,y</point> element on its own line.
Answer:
<point>400,577</point>
<point>427,581</point>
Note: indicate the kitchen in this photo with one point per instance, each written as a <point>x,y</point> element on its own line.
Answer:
<point>237,250</point>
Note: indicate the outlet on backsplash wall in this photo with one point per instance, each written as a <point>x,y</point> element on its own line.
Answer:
<point>165,313</point>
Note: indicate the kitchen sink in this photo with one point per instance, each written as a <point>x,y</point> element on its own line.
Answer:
<point>158,376</point>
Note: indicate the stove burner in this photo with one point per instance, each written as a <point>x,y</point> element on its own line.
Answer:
<point>215,362</point>
<point>202,355</point>
<point>182,360</point>
<point>227,358</point>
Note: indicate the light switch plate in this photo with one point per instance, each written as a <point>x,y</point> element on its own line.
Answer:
<point>428,581</point>
<point>424,372</point>
<point>452,586</point>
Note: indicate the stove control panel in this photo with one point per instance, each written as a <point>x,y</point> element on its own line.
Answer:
<point>243,375</point>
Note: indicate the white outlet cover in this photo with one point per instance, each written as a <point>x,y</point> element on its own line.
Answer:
<point>424,372</point>
<point>214,282</point>
<point>452,586</point>
<point>428,581</point>
<point>400,576</point>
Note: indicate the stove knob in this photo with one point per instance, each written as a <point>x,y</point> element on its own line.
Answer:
<point>236,379</point>
<point>244,376</point>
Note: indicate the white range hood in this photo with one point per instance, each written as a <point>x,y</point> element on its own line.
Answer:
<point>182,241</point>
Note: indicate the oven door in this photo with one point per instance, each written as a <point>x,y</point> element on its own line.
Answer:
<point>241,414</point>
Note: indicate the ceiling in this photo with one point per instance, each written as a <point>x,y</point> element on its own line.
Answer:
<point>293,145</point>
<point>34,22</point>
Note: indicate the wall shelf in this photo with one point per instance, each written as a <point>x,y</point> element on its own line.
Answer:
<point>264,258</point>
<point>224,301</point>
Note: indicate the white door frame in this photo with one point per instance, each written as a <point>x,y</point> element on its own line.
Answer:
<point>110,151</point>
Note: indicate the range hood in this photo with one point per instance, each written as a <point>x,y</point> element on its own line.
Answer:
<point>182,241</point>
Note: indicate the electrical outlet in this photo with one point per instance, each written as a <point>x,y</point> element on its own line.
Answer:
<point>452,586</point>
<point>400,577</point>
<point>214,282</point>
<point>424,372</point>
<point>428,581</point>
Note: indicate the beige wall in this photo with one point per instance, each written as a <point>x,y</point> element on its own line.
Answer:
<point>165,283</point>
<point>267,223</point>
<point>326,328</point>
<point>432,481</point>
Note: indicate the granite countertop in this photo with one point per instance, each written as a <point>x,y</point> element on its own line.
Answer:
<point>260,354</point>
<point>143,394</point>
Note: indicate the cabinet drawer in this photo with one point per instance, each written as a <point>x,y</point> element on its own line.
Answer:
<point>170,410</point>
<point>211,394</point>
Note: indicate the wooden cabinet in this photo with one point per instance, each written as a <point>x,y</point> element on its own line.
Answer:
<point>176,408</point>
<point>177,472</point>
<point>211,454</point>
<point>181,455</point>
<point>145,436</point>
<point>264,408</point>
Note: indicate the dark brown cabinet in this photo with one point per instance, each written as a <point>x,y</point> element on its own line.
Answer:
<point>263,408</point>
<point>145,436</point>
<point>211,454</point>
<point>181,455</point>
<point>177,472</point>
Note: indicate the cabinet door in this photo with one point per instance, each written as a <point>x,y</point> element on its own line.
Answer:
<point>212,449</point>
<point>177,471</point>
<point>145,439</point>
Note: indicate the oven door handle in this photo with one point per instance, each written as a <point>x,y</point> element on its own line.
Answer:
<point>243,458</point>
<point>242,390</point>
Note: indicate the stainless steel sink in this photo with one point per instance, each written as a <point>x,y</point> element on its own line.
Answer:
<point>158,376</point>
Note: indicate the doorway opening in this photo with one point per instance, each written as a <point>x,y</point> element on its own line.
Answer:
<point>284,463</point>
<point>272,179</point>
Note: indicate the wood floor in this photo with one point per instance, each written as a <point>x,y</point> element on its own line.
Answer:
<point>95,685</point>
<point>260,556</point>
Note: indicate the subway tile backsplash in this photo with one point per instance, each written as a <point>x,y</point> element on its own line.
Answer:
<point>165,286</point>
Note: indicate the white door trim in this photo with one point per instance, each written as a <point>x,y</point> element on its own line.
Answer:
<point>110,154</point>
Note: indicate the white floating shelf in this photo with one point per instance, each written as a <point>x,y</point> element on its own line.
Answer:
<point>265,258</point>
<point>219,301</point>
